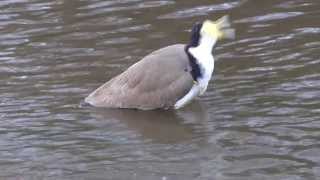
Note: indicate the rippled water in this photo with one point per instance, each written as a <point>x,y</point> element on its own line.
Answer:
<point>258,120</point>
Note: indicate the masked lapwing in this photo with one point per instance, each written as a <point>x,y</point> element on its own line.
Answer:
<point>170,77</point>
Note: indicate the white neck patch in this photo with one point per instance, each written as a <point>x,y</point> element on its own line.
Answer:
<point>203,55</point>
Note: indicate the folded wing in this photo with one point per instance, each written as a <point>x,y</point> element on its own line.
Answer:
<point>157,81</point>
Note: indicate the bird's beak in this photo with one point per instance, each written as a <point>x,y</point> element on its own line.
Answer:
<point>220,29</point>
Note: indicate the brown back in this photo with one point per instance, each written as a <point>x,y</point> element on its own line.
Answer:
<point>157,81</point>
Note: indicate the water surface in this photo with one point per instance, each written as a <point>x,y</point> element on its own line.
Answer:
<point>259,118</point>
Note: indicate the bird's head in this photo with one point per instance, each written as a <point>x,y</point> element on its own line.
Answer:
<point>220,29</point>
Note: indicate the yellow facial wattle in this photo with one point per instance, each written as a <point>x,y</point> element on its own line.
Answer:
<point>219,29</point>
<point>212,29</point>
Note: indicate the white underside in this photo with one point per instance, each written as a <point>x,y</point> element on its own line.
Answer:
<point>194,92</point>
<point>205,59</point>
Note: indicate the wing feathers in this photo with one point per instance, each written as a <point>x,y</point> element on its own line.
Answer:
<point>157,81</point>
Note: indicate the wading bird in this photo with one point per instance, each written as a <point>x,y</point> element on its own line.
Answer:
<point>170,77</point>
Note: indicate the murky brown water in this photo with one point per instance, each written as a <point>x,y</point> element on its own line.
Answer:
<point>258,120</point>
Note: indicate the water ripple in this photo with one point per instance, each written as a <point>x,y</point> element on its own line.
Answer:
<point>270,17</point>
<point>257,120</point>
<point>200,10</point>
